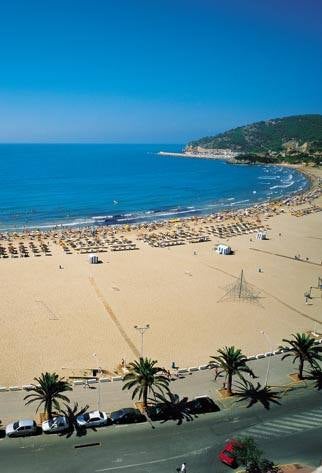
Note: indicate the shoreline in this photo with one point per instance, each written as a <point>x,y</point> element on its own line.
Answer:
<point>258,211</point>
<point>89,222</point>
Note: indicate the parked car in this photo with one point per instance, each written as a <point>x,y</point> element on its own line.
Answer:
<point>55,425</point>
<point>201,405</point>
<point>227,454</point>
<point>21,428</point>
<point>128,415</point>
<point>92,419</point>
<point>157,412</point>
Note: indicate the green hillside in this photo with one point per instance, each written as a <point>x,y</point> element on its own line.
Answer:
<point>298,133</point>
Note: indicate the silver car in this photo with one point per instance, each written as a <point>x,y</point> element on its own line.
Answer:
<point>21,428</point>
<point>92,419</point>
<point>55,425</point>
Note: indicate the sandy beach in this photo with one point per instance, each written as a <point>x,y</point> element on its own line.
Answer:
<point>58,310</point>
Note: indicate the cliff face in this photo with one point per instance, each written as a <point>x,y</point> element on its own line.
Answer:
<point>295,134</point>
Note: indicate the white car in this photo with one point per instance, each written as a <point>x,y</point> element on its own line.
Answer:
<point>21,428</point>
<point>92,419</point>
<point>55,425</point>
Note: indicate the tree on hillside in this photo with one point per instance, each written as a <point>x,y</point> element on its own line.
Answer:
<point>145,377</point>
<point>47,392</point>
<point>230,362</point>
<point>303,349</point>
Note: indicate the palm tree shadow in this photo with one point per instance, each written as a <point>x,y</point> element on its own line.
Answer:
<point>71,414</point>
<point>256,394</point>
<point>315,374</point>
<point>173,408</point>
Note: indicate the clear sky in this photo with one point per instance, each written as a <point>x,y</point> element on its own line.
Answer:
<point>163,71</point>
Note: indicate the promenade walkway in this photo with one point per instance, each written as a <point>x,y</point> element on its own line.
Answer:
<point>190,384</point>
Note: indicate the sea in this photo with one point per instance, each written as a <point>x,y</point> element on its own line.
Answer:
<point>47,185</point>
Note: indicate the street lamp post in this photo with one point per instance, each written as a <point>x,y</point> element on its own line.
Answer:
<point>270,347</point>
<point>99,369</point>
<point>142,329</point>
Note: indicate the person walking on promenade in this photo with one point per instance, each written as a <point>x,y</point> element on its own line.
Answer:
<point>182,468</point>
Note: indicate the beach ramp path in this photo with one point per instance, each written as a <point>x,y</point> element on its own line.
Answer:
<point>114,318</point>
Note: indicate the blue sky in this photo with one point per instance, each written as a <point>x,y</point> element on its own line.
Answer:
<point>163,71</point>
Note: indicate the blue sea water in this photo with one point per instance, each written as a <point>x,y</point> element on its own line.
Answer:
<point>47,185</point>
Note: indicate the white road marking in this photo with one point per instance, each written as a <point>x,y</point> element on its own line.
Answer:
<point>152,462</point>
<point>282,426</point>
<point>287,425</point>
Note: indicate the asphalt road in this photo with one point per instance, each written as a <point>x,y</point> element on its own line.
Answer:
<point>288,433</point>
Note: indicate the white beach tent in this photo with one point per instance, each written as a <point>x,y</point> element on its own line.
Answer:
<point>223,250</point>
<point>93,259</point>
<point>261,236</point>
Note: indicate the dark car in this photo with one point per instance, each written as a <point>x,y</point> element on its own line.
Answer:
<point>158,412</point>
<point>201,405</point>
<point>128,415</point>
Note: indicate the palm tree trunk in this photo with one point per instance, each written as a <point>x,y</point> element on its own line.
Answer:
<point>145,397</point>
<point>49,409</point>
<point>229,384</point>
<point>301,367</point>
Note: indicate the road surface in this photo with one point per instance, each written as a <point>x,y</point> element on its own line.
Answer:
<point>291,432</point>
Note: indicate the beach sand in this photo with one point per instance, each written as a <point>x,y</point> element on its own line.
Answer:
<point>55,319</point>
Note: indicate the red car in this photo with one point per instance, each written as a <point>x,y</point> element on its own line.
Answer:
<point>227,454</point>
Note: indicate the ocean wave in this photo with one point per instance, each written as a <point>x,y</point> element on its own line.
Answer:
<point>240,202</point>
<point>178,212</point>
<point>49,225</point>
<point>283,186</point>
<point>149,215</point>
<point>269,178</point>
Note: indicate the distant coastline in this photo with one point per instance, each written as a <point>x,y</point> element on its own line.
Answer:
<point>222,155</point>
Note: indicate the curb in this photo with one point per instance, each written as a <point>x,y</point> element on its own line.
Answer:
<point>192,369</point>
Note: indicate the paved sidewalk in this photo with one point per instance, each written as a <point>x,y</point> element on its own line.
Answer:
<point>112,397</point>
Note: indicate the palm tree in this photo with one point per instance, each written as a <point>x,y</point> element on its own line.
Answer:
<point>302,348</point>
<point>230,361</point>
<point>47,392</point>
<point>144,376</point>
<point>253,394</point>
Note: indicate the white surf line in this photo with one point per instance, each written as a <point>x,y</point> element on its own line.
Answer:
<point>152,462</point>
